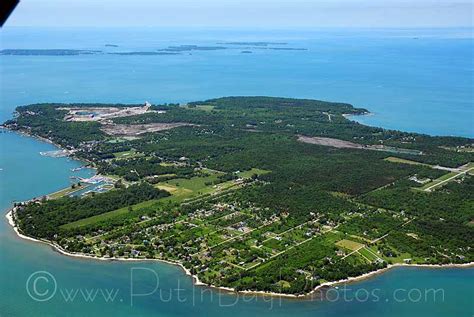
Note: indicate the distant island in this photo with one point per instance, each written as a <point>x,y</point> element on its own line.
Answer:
<point>143,53</point>
<point>287,48</point>
<point>253,43</point>
<point>187,48</point>
<point>47,52</point>
<point>256,194</point>
<point>170,50</point>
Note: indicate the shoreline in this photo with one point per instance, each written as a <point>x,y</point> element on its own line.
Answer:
<point>349,115</point>
<point>70,155</point>
<point>197,282</point>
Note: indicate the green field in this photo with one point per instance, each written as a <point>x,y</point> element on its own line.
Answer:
<point>349,244</point>
<point>253,171</point>
<point>403,161</point>
<point>127,154</point>
<point>197,184</point>
<point>183,188</point>
<point>367,255</point>
<point>202,107</point>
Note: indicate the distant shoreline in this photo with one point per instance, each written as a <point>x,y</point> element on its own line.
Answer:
<point>349,115</point>
<point>70,155</point>
<point>198,282</point>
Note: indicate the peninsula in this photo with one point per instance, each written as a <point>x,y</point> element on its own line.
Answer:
<point>252,193</point>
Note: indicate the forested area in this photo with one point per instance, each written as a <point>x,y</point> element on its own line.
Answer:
<point>46,121</point>
<point>42,219</point>
<point>136,169</point>
<point>307,117</point>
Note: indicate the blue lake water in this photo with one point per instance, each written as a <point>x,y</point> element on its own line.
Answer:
<point>422,85</point>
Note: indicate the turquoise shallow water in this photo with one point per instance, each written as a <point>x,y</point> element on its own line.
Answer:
<point>412,95</point>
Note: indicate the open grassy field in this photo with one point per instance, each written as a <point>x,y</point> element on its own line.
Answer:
<point>183,188</point>
<point>207,183</point>
<point>368,254</point>
<point>128,154</point>
<point>359,238</point>
<point>349,244</point>
<point>202,107</point>
<point>403,161</point>
<point>197,184</point>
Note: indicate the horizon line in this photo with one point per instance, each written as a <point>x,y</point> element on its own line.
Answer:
<point>245,27</point>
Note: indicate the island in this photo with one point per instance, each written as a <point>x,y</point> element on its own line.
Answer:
<point>191,47</point>
<point>48,52</point>
<point>144,53</point>
<point>254,43</point>
<point>256,194</point>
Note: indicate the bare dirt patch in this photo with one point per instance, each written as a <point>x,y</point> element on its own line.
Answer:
<point>137,129</point>
<point>340,144</point>
<point>82,114</point>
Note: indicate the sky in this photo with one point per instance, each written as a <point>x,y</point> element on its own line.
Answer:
<point>244,13</point>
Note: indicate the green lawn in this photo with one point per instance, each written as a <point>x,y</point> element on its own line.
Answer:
<point>367,254</point>
<point>253,171</point>
<point>127,154</point>
<point>349,244</point>
<point>194,184</point>
<point>183,188</point>
<point>403,161</point>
